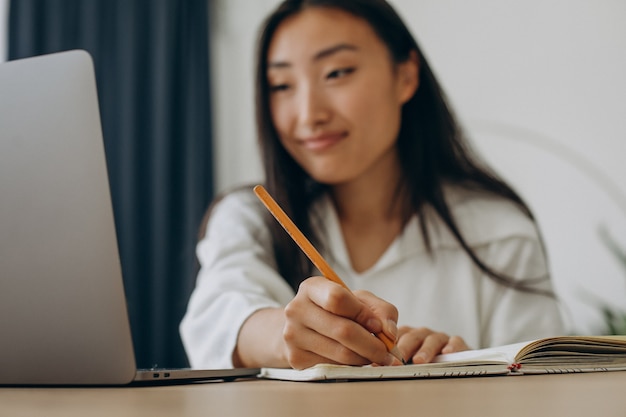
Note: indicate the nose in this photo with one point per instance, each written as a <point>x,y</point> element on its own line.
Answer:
<point>313,107</point>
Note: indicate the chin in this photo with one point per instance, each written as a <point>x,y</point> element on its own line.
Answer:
<point>330,179</point>
<point>329,174</point>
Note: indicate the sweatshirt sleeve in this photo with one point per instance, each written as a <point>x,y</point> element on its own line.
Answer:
<point>508,241</point>
<point>237,277</point>
<point>511,315</point>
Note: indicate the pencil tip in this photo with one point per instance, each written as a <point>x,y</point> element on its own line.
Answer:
<point>396,352</point>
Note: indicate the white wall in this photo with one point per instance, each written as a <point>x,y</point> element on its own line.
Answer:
<point>539,86</point>
<point>4,6</point>
<point>234,29</point>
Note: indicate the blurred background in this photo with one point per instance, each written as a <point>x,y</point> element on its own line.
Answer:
<point>538,85</point>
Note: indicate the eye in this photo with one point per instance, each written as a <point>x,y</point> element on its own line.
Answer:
<point>340,73</point>
<point>279,87</point>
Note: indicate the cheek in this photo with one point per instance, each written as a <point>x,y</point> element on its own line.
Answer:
<point>376,111</point>
<point>280,113</point>
<point>282,118</point>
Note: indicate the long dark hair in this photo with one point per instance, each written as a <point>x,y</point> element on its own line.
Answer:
<point>430,145</point>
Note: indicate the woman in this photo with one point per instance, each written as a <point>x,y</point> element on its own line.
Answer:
<point>362,152</point>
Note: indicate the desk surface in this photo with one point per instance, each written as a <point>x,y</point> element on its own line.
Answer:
<point>572,395</point>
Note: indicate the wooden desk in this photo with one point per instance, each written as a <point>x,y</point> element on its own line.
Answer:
<point>573,395</point>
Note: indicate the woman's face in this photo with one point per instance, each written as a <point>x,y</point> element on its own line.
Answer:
<point>335,95</point>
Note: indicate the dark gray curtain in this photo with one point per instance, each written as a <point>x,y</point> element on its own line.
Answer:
<point>152,69</point>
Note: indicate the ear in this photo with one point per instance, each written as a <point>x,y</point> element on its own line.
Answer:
<point>408,78</point>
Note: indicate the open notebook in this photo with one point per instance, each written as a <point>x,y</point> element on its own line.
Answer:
<point>63,317</point>
<point>565,354</point>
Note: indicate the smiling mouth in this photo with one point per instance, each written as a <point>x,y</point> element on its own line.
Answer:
<point>323,142</point>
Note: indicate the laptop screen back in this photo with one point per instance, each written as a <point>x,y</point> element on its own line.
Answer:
<point>63,317</point>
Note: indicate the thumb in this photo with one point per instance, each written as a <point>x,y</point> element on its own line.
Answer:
<point>378,315</point>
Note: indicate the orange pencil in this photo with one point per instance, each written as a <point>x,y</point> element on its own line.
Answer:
<point>313,254</point>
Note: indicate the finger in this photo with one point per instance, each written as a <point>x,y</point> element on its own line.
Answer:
<point>319,304</point>
<point>410,340</point>
<point>364,308</point>
<point>342,302</point>
<point>303,359</point>
<point>341,339</point>
<point>385,315</point>
<point>358,321</point>
<point>455,344</point>
<point>421,345</point>
<point>344,340</point>
<point>331,296</point>
<point>306,348</point>
<point>431,347</point>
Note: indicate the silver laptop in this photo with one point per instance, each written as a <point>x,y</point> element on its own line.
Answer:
<point>63,318</point>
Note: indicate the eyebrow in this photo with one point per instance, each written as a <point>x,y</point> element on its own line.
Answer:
<point>319,55</point>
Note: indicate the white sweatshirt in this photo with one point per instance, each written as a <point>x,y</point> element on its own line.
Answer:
<point>444,291</point>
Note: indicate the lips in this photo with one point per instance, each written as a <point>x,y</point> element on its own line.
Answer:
<point>323,141</point>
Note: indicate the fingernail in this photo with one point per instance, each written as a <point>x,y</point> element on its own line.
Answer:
<point>390,360</point>
<point>373,325</point>
<point>420,358</point>
<point>392,328</point>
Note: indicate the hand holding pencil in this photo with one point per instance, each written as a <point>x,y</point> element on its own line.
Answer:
<point>350,305</point>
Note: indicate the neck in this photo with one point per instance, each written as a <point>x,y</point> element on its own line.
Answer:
<point>371,198</point>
